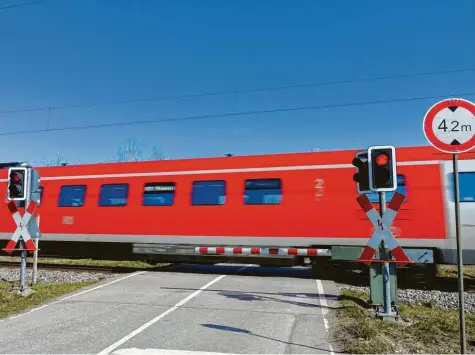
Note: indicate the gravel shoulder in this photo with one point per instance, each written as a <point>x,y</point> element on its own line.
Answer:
<point>440,299</point>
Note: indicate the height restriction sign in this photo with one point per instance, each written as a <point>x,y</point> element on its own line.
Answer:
<point>449,125</point>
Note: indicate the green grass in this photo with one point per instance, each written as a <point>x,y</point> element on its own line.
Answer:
<point>86,262</point>
<point>451,271</point>
<point>426,329</point>
<point>11,302</point>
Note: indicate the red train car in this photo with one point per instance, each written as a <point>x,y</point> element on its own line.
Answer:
<point>280,200</point>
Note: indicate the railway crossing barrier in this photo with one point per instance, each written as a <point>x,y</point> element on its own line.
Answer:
<point>23,187</point>
<point>261,251</point>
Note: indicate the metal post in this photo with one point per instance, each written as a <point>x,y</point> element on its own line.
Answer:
<point>24,254</point>
<point>459,254</point>
<point>35,256</point>
<point>385,253</point>
<point>22,266</point>
<point>35,263</point>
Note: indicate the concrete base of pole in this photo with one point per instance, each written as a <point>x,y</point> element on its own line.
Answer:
<point>26,292</point>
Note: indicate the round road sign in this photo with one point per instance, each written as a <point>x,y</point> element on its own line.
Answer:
<point>449,125</point>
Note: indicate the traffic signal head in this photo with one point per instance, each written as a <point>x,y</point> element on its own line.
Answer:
<point>382,168</point>
<point>361,177</point>
<point>17,184</point>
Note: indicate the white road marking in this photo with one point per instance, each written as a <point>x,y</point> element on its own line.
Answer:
<point>324,307</point>
<point>168,311</point>
<point>323,301</point>
<point>71,296</point>
<point>133,351</point>
<point>101,286</point>
<point>156,319</point>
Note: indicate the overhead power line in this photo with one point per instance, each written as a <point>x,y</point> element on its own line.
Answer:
<point>22,5</point>
<point>230,92</point>
<point>245,113</point>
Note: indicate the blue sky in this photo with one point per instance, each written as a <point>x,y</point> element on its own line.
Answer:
<point>70,52</point>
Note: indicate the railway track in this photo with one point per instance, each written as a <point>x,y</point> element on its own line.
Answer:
<point>344,275</point>
<point>78,268</point>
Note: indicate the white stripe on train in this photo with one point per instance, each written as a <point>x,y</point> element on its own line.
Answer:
<point>223,171</point>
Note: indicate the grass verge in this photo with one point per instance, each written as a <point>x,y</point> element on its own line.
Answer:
<point>451,271</point>
<point>11,302</point>
<point>426,329</point>
<point>86,262</point>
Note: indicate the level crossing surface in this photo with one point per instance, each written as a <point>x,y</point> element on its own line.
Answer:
<point>232,309</point>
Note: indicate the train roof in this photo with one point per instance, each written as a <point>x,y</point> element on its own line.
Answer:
<point>408,153</point>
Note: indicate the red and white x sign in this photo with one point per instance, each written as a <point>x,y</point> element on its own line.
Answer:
<point>382,230</point>
<point>22,226</point>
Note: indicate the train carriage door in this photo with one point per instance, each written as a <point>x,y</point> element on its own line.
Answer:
<point>467,204</point>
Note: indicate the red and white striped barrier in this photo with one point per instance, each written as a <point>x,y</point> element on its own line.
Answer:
<point>22,227</point>
<point>382,229</point>
<point>261,251</point>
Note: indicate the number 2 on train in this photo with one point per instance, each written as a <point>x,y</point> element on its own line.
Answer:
<point>319,188</point>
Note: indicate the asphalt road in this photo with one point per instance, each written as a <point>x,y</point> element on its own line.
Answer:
<point>208,309</point>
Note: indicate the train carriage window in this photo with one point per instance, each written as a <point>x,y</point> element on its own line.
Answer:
<point>466,186</point>
<point>113,195</point>
<point>401,188</point>
<point>158,194</point>
<point>72,196</point>
<point>263,192</point>
<point>208,193</point>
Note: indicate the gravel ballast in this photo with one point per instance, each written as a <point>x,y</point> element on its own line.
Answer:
<point>53,276</point>
<point>443,300</point>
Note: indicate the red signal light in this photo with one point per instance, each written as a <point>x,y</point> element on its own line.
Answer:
<point>382,159</point>
<point>16,178</point>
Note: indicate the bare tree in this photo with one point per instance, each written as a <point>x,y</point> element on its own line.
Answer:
<point>156,154</point>
<point>134,150</point>
<point>131,150</point>
<point>58,161</point>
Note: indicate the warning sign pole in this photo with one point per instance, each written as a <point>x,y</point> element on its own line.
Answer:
<point>459,255</point>
<point>449,126</point>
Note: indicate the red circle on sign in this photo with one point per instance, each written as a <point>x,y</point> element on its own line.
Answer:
<point>382,159</point>
<point>432,138</point>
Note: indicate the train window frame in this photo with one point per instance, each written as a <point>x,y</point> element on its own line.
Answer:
<point>111,185</point>
<point>374,196</point>
<point>84,190</point>
<point>193,196</point>
<point>158,183</point>
<point>461,186</point>
<point>246,189</point>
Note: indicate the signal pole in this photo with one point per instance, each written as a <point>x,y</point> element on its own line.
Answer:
<point>22,182</point>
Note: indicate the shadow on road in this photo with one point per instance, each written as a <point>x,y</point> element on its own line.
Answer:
<point>354,274</point>
<point>266,296</point>
<point>244,331</point>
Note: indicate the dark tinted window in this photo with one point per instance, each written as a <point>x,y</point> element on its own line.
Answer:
<point>208,193</point>
<point>113,195</point>
<point>263,192</point>
<point>159,194</point>
<point>72,196</point>
<point>401,188</point>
